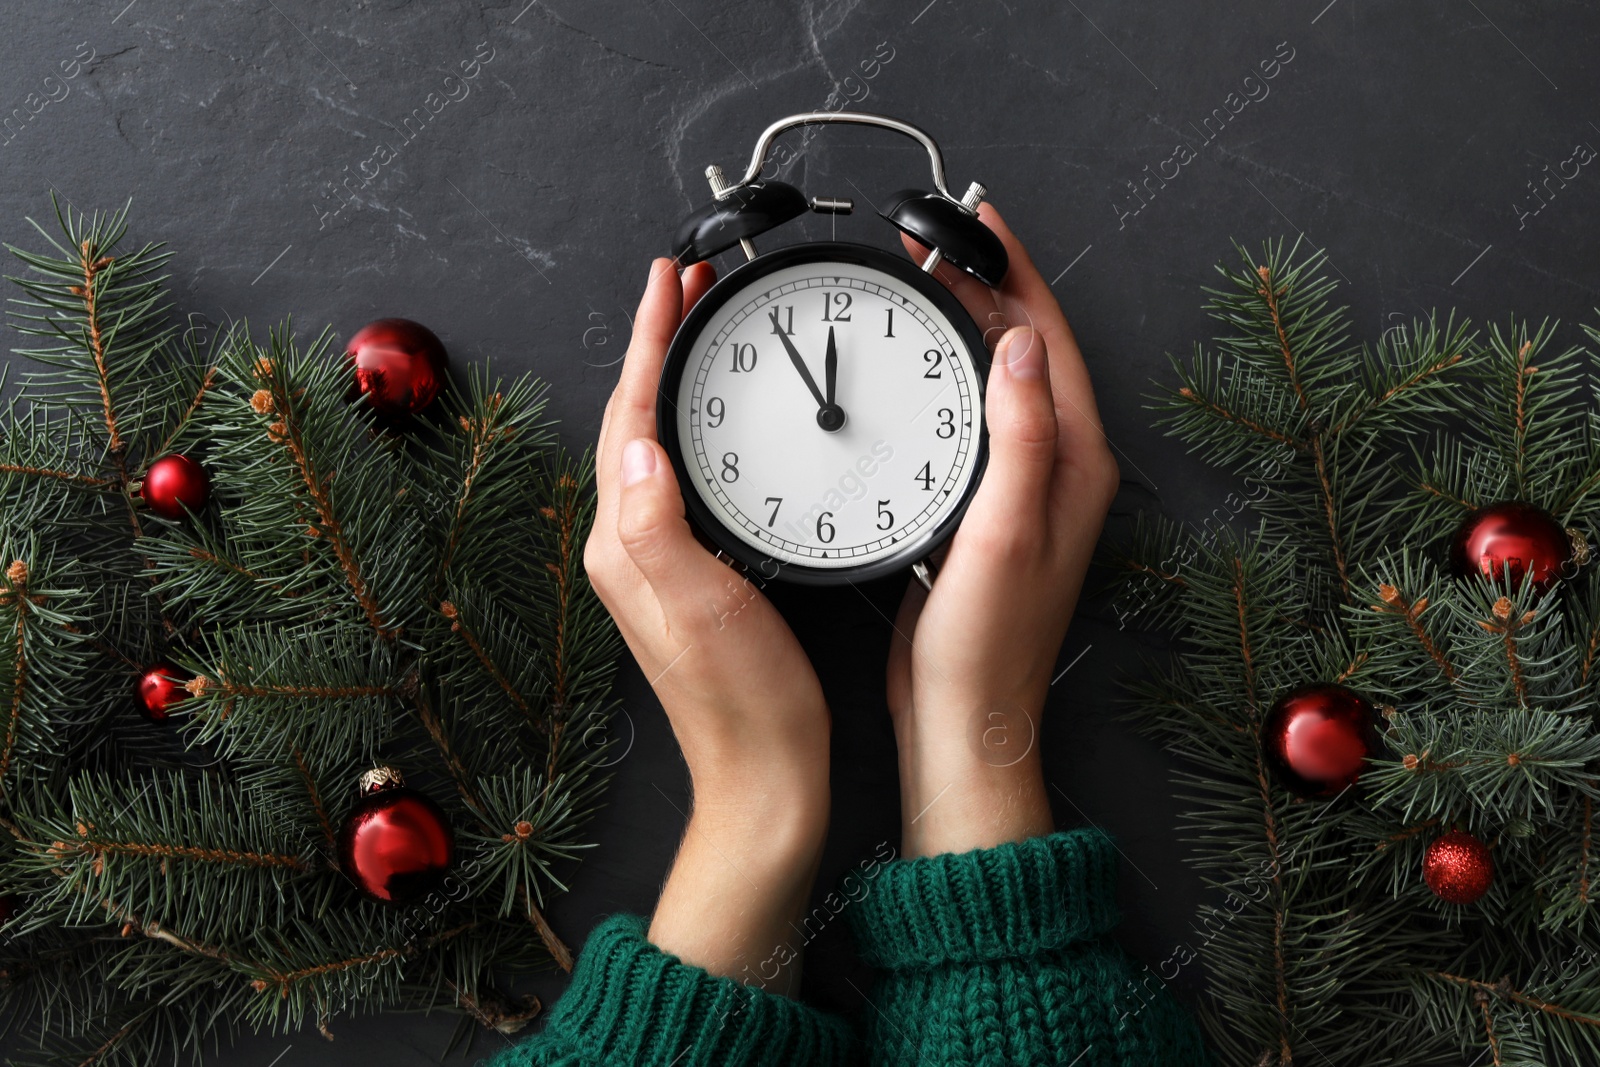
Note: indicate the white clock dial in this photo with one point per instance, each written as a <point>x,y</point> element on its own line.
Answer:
<point>752,427</point>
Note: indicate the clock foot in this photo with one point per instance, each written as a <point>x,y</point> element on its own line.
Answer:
<point>926,572</point>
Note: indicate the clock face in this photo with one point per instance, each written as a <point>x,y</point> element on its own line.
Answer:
<point>826,411</point>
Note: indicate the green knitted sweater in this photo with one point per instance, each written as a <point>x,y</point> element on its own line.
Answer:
<point>990,958</point>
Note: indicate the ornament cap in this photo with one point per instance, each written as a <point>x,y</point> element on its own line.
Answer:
<point>1580,547</point>
<point>378,779</point>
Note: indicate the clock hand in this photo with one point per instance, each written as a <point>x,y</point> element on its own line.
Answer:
<point>799,364</point>
<point>830,367</point>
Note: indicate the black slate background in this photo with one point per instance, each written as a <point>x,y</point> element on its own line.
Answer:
<point>519,222</point>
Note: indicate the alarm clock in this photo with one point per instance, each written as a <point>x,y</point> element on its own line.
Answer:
<point>822,403</point>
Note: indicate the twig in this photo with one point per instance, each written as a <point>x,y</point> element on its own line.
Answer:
<point>1250,424</point>
<point>1504,990</point>
<point>1395,603</point>
<point>194,405</point>
<point>65,476</point>
<point>286,432</point>
<point>1266,290</point>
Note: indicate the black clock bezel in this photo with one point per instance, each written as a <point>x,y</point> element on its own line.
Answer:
<point>700,513</point>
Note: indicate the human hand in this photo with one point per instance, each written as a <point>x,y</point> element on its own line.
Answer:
<point>970,662</point>
<point>742,698</point>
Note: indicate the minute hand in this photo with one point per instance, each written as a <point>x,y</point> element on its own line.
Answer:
<point>799,364</point>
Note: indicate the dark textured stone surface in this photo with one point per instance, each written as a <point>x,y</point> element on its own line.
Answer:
<point>518,221</point>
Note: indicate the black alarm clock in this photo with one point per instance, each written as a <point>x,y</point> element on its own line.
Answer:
<point>822,403</point>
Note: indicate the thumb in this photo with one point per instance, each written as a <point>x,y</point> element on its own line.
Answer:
<point>650,522</point>
<point>1021,418</point>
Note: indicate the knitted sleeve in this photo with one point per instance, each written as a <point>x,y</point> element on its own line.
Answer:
<point>630,1003</point>
<point>994,958</point>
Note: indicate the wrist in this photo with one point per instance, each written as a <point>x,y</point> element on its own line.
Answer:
<point>742,877</point>
<point>973,782</point>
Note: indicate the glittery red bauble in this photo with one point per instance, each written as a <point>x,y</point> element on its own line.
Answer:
<point>1318,739</point>
<point>1458,868</point>
<point>1512,538</point>
<point>173,483</point>
<point>160,688</point>
<point>397,845</point>
<point>399,365</point>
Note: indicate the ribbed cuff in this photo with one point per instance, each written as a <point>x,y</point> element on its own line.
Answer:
<point>631,1003</point>
<point>1012,901</point>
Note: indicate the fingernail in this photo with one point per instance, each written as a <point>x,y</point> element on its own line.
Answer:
<point>638,461</point>
<point>1022,353</point>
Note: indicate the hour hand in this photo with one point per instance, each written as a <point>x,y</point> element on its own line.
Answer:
<point>799,364</point>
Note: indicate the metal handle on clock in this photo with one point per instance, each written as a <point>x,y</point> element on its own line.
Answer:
<point>858,118</point>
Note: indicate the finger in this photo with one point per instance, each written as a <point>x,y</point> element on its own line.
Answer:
<point>653,531</point>
<point>632,410</point>
<point>1025,297</point>
<point>977,298</point>
<point>696,280</point>
<point>1020,414</point>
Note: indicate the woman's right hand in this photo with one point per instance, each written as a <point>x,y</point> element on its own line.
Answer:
<point>742,697</point>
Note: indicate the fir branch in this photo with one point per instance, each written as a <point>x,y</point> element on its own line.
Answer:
<point>66,476</point>
<point>17,598</point>
<point>110,1044</point>
<point>1270,294</point>
<point>1488,1026</point>
<point>552,942</point>
<point>203,686</point>
<point>1502,622</point>
<point>1407,834</point>
<point>1395,603</point>
<point>1583,853</point>
<point>288,432</point>
<point>316,799</point>
<point>1211,407</point>
<point>183,420</point>
<point>87,845</point>
<point>431,723</point>
<point>1330,513</point>
<point>1270,823</point>
<point>1418,377</point>
<point>1504,990</point>
<point>565,516</point>
<point>457,627</point>
<point>93,263</point>
<point>484,432</point>
<point>207,556</point>
<point>1446,495</point>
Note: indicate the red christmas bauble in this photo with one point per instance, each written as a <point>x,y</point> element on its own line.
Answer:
<point>399,365</point>
<point>1515,539</point>
<point>1318,738</point>
<point>173,483</point>
<point>397,845</point>
<point>1458,868</point>
<point>161,687</point>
